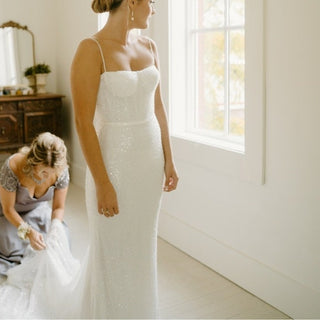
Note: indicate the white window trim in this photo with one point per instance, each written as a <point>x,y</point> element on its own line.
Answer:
<point>249,165</point>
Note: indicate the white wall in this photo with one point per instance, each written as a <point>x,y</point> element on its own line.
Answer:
<point>58,27</point>
<point>40,17</point>
<point>75,22</point>
<point>265,238</point>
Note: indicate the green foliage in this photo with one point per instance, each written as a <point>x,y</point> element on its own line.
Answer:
<point>28,71</point>
<point>237,127</point>
<point>39,68</point>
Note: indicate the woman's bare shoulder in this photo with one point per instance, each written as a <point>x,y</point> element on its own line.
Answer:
<point>15,161</point>
<point>86,56</point>
<point>89,46</point>
<point>147,42</point>
<point>144,40</point>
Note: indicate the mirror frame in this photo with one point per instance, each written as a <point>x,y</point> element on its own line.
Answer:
<point>13,24</point>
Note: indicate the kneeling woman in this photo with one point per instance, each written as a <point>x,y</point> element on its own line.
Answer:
<point>29,179</point>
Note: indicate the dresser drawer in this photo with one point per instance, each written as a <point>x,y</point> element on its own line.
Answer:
<point>22,118</point>
<point>6,107</point>
<point>10,129</point>
<point>39,105</point>
<point>38,122</point>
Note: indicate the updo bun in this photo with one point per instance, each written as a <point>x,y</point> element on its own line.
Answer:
<point>100,6</point>
<point>47,150</point>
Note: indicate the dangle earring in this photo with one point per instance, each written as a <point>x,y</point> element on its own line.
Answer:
<point>132,17</point>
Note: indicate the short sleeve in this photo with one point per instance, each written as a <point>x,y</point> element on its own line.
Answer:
<point>8,180</point>
<point>63,180</point>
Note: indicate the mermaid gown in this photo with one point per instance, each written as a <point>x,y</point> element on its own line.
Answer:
<point>121,276</point>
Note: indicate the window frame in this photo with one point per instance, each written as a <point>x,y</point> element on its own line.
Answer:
<point>247,164</point>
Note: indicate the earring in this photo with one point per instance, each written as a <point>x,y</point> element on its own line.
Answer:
<point>132,17</point>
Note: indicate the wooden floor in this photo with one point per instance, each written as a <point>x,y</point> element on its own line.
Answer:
<point>187,288</point>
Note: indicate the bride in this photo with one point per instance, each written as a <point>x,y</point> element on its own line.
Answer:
<point>123,131</point>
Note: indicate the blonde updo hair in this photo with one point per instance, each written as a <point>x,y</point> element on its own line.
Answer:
<point>100,6</point>
<point>47,150</point>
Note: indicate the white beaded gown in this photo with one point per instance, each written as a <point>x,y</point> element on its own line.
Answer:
<point>40,285</point>
<point>121,274</point>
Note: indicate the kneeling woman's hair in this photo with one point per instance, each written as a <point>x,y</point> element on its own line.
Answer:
<point>47,150</point>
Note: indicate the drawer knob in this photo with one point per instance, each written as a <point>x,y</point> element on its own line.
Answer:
<point>3,131</point>
<point>1,108</point>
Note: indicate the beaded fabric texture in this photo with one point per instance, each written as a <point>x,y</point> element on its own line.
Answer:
<point>8,180</point>
<point>36,288</point>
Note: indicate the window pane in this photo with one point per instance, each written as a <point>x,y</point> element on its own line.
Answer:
<point>237,85</point>
<point>237,13</point>
<point>210,13</point>
<point>211,79</point>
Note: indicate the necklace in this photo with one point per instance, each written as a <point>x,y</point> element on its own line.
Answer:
<point>37,181</point>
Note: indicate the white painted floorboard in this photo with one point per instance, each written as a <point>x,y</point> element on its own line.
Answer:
<point>187,288</point>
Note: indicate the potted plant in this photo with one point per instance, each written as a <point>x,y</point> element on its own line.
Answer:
<point>40,71</point>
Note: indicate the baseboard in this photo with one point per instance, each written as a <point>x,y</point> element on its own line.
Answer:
<point>280,291</point>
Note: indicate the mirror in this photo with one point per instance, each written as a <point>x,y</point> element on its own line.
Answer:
<point>17,52</point>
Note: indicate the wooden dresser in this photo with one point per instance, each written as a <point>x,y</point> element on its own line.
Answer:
<point>23,117</point>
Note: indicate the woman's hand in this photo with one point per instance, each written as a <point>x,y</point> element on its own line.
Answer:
<point>36,240</point>
<point>107,200</point>
<point>171,177</point>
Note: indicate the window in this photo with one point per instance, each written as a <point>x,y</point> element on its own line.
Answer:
<point>214,33</point>
<point>217,84</point>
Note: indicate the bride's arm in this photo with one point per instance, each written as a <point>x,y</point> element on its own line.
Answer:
<point>170,170</point>
<point>85,79</point>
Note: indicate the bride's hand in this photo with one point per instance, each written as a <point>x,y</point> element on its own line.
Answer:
<point>36,240</point>
<point>107,200</point>
<point>171,177</point>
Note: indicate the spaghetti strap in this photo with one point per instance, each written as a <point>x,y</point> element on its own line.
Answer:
<point>97,42</point>
<point>150,45</point>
